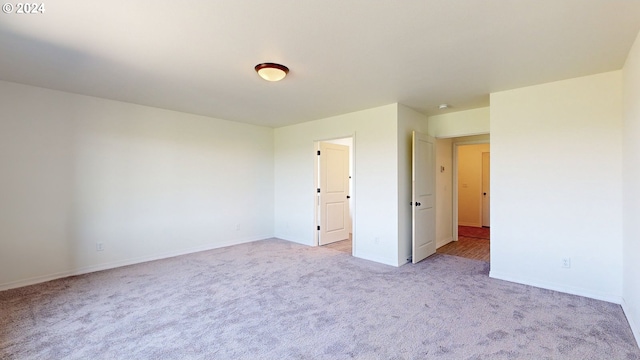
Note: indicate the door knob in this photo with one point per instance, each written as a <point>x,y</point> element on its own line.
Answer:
<point>485,194</point>
<point>418,204</point>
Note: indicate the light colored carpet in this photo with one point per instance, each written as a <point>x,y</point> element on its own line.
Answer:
<point>276,300</point>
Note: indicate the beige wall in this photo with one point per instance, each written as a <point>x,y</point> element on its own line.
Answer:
<point>484,138</point>
<point>470,184</point>
<point>631,192</point>
<point>444,191</point>
<point>461,123</point>
<point>556,176</point>
<point>147,183</point>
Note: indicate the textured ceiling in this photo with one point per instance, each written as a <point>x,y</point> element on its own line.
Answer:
<point>198,56</point>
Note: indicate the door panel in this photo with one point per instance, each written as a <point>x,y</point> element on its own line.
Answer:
<point>423,197</point>
<point>335,216</point>
<point>334,189</point>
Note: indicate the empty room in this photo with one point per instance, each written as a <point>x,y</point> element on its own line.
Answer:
<point>282,180</point>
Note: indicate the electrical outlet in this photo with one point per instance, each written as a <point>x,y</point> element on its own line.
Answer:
<point>566,263</point>
<point>376,240</point>
<point>237,227</point>
<point>99,246</point>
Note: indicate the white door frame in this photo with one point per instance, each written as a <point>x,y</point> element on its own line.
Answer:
<point>316,184</point>
<point>455,181</point>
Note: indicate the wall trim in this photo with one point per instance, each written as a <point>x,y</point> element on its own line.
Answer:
<point>616,299</point>
<point>126,262</point>
<point>444,241</point>
<point>635,327</point>
<point>462,223</point>
<point>378,259</point>
<point>294,240</point>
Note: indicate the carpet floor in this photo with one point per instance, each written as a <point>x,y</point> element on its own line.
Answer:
<point>273,299</point>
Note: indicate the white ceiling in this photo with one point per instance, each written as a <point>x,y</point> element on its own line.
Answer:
<point>344,55</point>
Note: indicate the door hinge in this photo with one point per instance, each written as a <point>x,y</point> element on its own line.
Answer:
<point>318,227</point>
<point>318,152</point>
<point>318,190</point>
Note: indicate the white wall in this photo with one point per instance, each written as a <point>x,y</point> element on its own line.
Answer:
<point>444,192</point>
<point>556,185</point>
<point>472,139</point>
<point>375,227</point>
<point>461,123</point>
<point>408,122</point>
<point>631,176</point>
<point>147,183</point>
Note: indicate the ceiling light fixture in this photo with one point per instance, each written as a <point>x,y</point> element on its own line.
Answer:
<point>271,71</point>
<point>443,106</point>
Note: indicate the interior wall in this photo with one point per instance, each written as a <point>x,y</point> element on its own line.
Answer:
<point>484,138</point>
<point>556,180</point>
<point>409,121</point>
<point>470,184</point>
<point>444,193</point>
<point>460,123</point>
<point>374,131</point>
<point>146,183</point>
<point>631,193</point>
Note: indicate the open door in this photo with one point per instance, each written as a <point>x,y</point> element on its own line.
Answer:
<point>423,197</point>
<point>334,193</point>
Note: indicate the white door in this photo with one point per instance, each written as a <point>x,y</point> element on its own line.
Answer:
<point>486,193</point>
<point>423,198</point>
<point>334,192</point>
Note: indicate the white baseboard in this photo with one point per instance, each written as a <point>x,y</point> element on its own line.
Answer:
<point>126,262</point>
<point>635,326</point>
<point>616,299</point>
<point>443,242</point>
<point>378,259</point>
<point>295,240</point>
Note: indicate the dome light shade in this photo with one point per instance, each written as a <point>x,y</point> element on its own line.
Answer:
<point>271,71</point>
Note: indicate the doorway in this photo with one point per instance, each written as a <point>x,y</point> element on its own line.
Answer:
<point>469,228</point>
<point>333,191</point>
<point>470,184</point>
